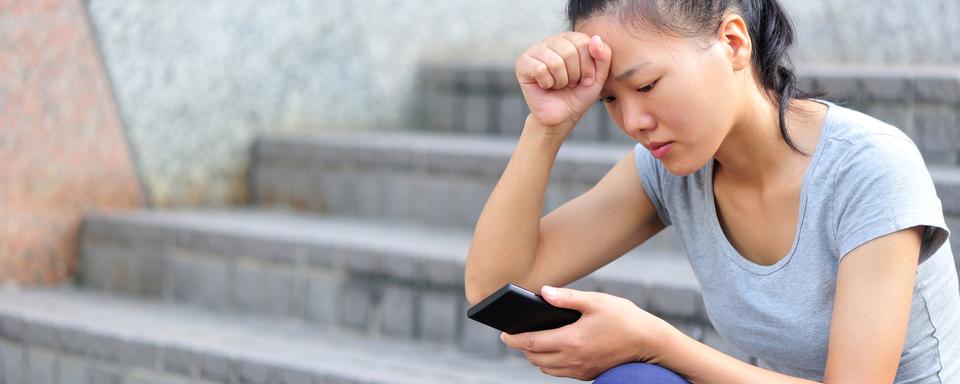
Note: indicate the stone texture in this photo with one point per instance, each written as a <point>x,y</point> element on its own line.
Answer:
<point>938,89</point>
<point>439,315</point>
<point>12,362</point>
<point>249,287</point>
<point>190,125</point>
<point>62,144</point>
<point>72,370</point>
<point>216,368</point>
<point>104,374</point>
<point>398,316</point>
<point>179,360</point>
<point>41,367</point>
<point>357,304</point>
<point>827,32</point>
<point>323,291</point>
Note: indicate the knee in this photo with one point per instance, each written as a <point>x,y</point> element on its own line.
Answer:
<point>640,373</point>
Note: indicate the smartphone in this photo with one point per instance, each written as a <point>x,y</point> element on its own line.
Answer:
<point>513,310</point>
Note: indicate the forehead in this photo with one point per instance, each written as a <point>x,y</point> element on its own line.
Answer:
<point>617,33</point>
<point>631,43</point>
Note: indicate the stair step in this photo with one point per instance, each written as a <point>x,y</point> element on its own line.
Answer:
<point>922,102</point>
<point>438,179</point>
<point>68,334</point>
<point>383,278</point>
<point>947,181</point>
<point>441,180</point>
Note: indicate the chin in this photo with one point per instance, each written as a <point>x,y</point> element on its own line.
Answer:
<point>681,169</point>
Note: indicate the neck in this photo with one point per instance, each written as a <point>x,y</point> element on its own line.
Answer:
<point>754,153</point>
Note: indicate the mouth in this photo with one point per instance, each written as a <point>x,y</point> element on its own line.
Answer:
<point>659,149</point>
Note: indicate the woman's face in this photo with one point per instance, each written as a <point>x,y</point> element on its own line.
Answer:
<point>664,89</point>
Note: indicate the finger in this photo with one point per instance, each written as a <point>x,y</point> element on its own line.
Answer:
<point>570,298</point>
<point>558,69</point>
<point>545,359</point>
<point>570,55</point>
<point>541,341</point>
<point>588,69</point>
<point>561,372</point>
<point>531,70</point>
<point>602,55</point>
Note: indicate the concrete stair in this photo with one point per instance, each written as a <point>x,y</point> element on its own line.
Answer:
<point>441,180</point>
<point>267,296</point>
<point>923,102</point>
<point>71,336</point>
<point>445,178</point>
<point>389,279</point>
<point>348,267</point>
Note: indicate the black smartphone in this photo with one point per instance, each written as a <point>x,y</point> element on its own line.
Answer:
<point>513,310</point>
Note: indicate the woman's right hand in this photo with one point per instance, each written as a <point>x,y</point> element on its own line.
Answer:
<point>561,78</point>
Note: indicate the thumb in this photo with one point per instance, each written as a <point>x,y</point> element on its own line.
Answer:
<point>566,298</point>
<point>601,54</point>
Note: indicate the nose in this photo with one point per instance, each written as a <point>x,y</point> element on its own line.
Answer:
<point>636,120</point>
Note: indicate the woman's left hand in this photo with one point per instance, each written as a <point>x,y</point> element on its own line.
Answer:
<point>610,332</point>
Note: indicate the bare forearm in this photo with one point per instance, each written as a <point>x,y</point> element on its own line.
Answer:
<point>507,234</point>
<point>701,364</point>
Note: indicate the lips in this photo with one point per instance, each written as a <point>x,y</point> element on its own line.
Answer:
<point>659,149</point>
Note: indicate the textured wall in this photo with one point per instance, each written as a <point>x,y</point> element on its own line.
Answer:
<point>877,32</point>
<point>62,148</point>
<point>195,81</point>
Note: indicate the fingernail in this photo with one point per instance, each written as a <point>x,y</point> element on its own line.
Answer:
<point>503,336</point>
<point>588,81</point>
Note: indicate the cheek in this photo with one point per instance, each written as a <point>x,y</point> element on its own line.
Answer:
<point>702,105</point>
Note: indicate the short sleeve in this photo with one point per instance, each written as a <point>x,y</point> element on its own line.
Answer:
<point>652,177</point>
<point>882,186</point>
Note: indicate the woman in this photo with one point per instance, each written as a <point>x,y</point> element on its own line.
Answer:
<point>814,230</point>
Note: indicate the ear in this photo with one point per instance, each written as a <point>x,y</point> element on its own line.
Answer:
<point>735,39</point>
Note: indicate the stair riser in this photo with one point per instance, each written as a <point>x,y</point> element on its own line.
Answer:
<point>441,189</point>
<point>382,292</point>
<point>38,351</point>
<point>438,188</point>
<point>925,105</point>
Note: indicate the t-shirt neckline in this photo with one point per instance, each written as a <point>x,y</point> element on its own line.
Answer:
<point>717,231</point>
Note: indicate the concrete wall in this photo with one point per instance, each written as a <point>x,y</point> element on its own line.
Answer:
<point>62,149</point>
<point>196,81</point>
<point>877,32</point>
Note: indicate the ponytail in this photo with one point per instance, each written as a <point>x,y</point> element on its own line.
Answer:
<point>772,35</point>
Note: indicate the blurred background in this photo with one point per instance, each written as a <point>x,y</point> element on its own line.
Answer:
<point>284,191</point>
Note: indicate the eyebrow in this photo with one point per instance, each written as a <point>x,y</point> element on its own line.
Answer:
<point>629,72</point>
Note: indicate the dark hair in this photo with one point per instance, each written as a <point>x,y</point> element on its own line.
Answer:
<point>770,29</point>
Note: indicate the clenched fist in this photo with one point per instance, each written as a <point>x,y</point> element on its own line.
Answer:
<point>561,78</point>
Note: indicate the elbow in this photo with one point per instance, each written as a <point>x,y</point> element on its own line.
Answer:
<point>472,290</point>
<point>472,297</point>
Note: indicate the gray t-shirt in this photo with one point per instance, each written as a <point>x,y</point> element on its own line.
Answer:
<point>866,179</point>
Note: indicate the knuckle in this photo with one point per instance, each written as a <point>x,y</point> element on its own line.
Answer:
<point>570,54</point>
<point>556,64</point>
<point>550,61</point>
<point>541,69</point>
<point>529,343</point>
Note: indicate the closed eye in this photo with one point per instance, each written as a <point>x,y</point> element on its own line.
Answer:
<point>647,88</point>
